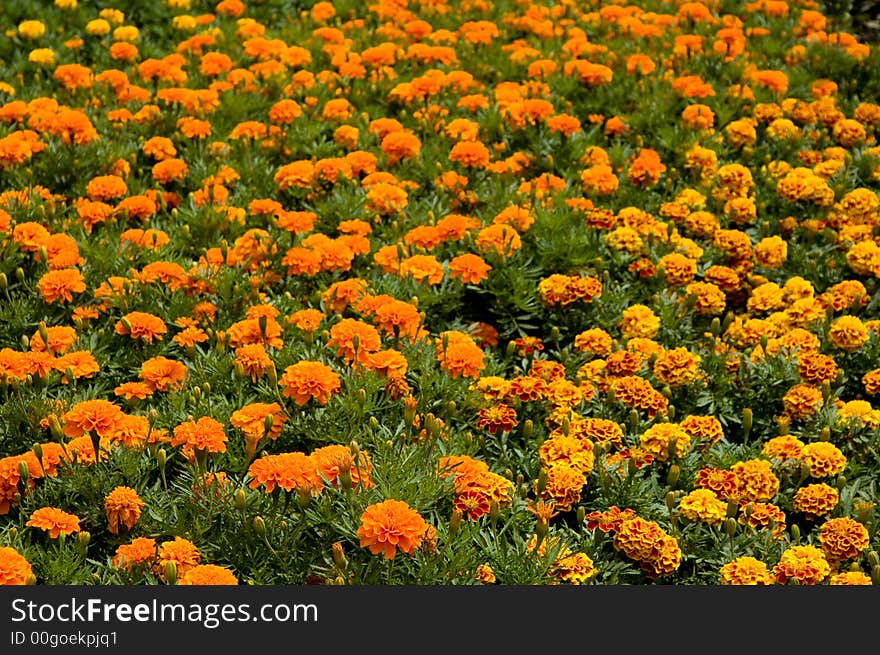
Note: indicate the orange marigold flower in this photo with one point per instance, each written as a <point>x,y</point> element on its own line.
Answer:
<point>309,379</point>
<point>182,552</point>
<point>843,538</point>
<point>54,521</point>
<point>123,508</point>
<point>498,238</point>
<point>141,325</point>
<point>354,339</point>
<point>98,416</point>
<point>140,551</point>
<point>848,333</point>
<point>130,390</point>
<point>336,462</point>
<point>254,421</point>
<point>208,574</point>
<point>60,285</point>
<point>391,525</point>
<point>14,568</point>
<point>815,500</point>
<point>205,435</point>
<point>287,471</point>
<point>106,187</point>
<point>163,374</point>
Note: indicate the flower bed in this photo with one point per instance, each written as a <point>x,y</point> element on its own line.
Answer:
<point>449,292</point>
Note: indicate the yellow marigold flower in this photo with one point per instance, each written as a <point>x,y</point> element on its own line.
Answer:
<point>639,321</point>
<point>746,570</point>
<point>704,506</point>
<point>848,333</point>
<point>815,500</point>
<point>661,438</point>
<point>824,459</point>
<point>677,367</point>
<point>755,480</point>
<point>31,29</point>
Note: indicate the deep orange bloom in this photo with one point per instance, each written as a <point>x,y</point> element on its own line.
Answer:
<point>98,416</point>
<point>335,460</point>
<point>180,551</point>
<point>287,471</point>
<point>162,374</point>
<point>60,285</point>
<point>389,526</point>
<point>208,574</point>
<point>141,325</point>
<point>140,551</point>
<point>54,521</point>
<point>206,435</point>
<point>309,379</point>
<point>14,568</point>
<point>123,508</point>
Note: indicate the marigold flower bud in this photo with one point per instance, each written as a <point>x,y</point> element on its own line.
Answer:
<point>171,573</point>
<point>746,421</point>
<point>82,542</point>
<point>23,472</point>
<point>825,434</point>
<point>259,526</point>
<point>161,458</point>
<point>240,499</point>
<point>455,522</point>
<point>528,428</point>
<point>339,556</point>
<point>732,507</point>
<point>19,274</point>
<point>841,482</point>
<point>673,475</point>
<point>873,558</point>
<point>4,282</point>
<point>730,527</point>
<point>541,484</point>
<point>795,533</point>
<point>670,501</point>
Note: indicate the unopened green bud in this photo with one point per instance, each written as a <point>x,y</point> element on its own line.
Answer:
<point>240,499</point>
<point>455,522</point>
<point>841,482</point>
<point>670,501</point>
<point>339,556</point>
<point>272,374</point>
<point>82,542</point>
<point>732,508</point>
<point>171,573</point>
<point>541,483</point>
<point>528,428</point>
<point>746,421</point>
<point>260,526</point>
<point>581,514</point>
<point>873,558</point>
<point>4,282</point>
<point>825,434</point>
<point>730,527</point>
<point>673,475</point>
<point>795,533</point>
<point>23,471</point>
<point>633,421</point>
<point>374,423</point>
<point>19,274</point>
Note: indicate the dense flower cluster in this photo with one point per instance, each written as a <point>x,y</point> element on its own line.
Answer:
<point>433,278</point>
